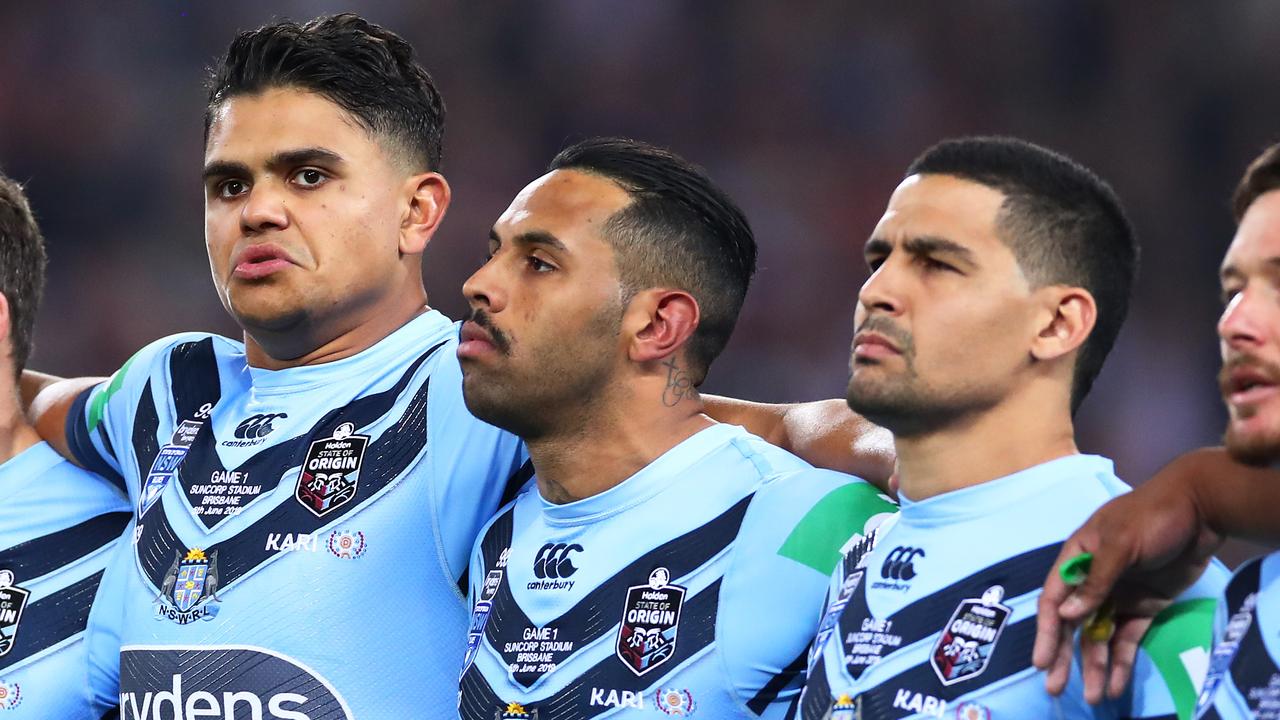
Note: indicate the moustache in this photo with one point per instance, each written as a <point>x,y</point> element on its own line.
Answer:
<point>883,325</point>
<point>500,340</point>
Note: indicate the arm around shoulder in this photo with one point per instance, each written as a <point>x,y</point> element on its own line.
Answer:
<point>48,401</point>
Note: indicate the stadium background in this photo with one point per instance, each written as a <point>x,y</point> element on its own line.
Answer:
<point>807,113</point>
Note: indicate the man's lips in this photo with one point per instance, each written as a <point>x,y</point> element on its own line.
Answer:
<point>474,341</point>
<point>260,260</point>
<point>1248,385</point>
<point>873,346</point>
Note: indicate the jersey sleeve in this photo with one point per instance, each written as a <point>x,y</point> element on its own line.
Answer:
<point>776,587</point>
<point>1173,657</point>
<point>474,465</point>
<point>100,424</point>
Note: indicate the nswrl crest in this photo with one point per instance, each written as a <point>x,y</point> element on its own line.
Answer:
<point>965,646</point>
<point>650,621</point>
<point>190,588</point>
<point>12,601</point>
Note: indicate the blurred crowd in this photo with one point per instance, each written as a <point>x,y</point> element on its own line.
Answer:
<point>806,112</point>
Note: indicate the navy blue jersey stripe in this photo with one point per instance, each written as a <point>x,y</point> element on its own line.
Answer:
<point>384,462</point>
<point>47,553</point>
<point>146,423</point>
<point>52,619</point>
<point>516,481</point>
<point>1252,667</point>
<point>193,373</point>
<point>584,622</point>
<point>816,700</point>
<point>1018,575</point>
<point>783,680</point>
<point>77,432</point>
<point>697,632</point>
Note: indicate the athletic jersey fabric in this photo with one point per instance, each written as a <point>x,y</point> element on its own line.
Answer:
<point>302,534</point>
<point>691,588</point>
<point>1244,671</point>
<point>58,524</point>
<point>933,615</point>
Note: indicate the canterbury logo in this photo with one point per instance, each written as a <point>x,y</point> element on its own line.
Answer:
<point>257,426</point>
<point>553,561</point>
<point>899,565</point>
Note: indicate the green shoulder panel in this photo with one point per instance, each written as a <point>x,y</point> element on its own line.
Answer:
<point>816,540</point>
<point>99,402</point>
<point>1178,643</point>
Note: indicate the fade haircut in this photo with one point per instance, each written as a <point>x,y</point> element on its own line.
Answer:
<point>22,263</point>
<point>368,71</point>
<point>1063,223</point>
<point>1262,177</point>
<point>679,230</point>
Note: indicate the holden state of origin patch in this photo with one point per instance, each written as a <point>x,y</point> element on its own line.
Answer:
<point>329,472</point>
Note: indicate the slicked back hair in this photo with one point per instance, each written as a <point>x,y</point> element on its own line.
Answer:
<point>1262,177</point>
<point>368,71</point>
<point>679,230</point>
<point>1063,223</point>
<point>22,264</point>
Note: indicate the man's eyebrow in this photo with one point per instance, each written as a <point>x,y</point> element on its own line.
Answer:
<point>283,159</point>
<point>931,245</point>
<point>1271,264</point>
<point>540,237</point>
<point>877,246</point>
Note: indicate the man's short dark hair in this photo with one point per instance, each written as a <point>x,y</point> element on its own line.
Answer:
<point>365,69</point>
<point>22,263</point>
<point>679,230</point>
<point>1063,223</point>
<point>1262,177</point>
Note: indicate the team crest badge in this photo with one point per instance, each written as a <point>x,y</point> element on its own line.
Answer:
<point>650,619</point>
<point>190,588</point>
<point>515,711</point>
<point>972,711</point>
<point>674,702</point>
<point>165,466</point>
<point>328,478</point>
<point>847,708</point>
<point>10,695</point>
<point>12,600</point>
<point>966,644</point>
<point>346,545</point>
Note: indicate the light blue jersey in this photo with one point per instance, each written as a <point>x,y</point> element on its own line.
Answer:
<point>1244,672</point>
<point>58,524</point>
<point>302,535</point>
<point>934,614</point>
<point>691,588</point>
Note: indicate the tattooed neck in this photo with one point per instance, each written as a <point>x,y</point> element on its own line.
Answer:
<point>679,384</point>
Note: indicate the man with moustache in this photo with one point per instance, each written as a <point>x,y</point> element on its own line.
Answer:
<point>1147,545</point>
<point>1000,277</point>
<point>308,498</point>
<point>661,561</point>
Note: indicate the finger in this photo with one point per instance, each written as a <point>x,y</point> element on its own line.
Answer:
<point>1049,636</point>
<point>1124,651</point>
<point>1093,668</point>
<point>1059,673</point>
<point>1109,561</point>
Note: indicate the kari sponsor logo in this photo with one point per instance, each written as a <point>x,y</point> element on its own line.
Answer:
<point>921,703</point>
<point>613,698</point>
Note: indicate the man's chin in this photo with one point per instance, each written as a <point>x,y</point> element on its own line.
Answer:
<point>1261,449</point>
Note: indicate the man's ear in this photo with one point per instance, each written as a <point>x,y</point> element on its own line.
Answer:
<point>1068,317</point>
<point>428,196</point>
<point>661,321</point>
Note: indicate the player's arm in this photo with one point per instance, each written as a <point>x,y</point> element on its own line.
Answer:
<point>48,400</point>
<point>1186,511</point>
<point>826,433</point>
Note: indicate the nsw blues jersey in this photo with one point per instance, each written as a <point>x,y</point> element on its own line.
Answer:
<point>934,614</point>
<point>302,535</point>
<point>58,524</point>
<point>692,588</point>
<point>1244,671</point>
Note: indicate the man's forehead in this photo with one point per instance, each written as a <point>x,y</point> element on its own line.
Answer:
<point>1257,239</point>
<point>942,206</point>
<point>266,120</point>
<point>566,200</point>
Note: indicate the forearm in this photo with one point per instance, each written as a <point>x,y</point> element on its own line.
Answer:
<point>1231,498</point>
<point>48,399</point>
